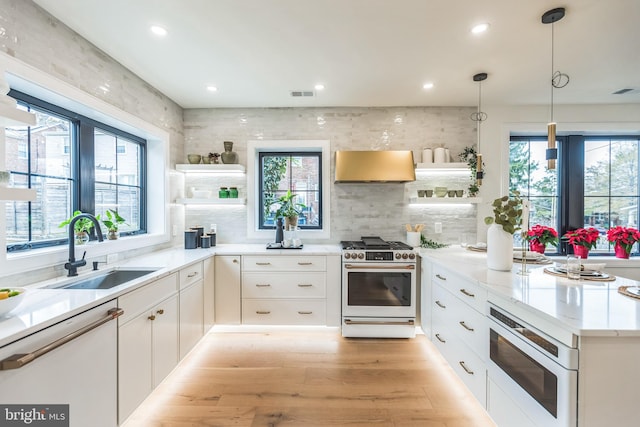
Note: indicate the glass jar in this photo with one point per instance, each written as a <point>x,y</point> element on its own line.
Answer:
<point>233,192</point>
<point>223,193</point>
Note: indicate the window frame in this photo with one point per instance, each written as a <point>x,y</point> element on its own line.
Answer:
<point>82,160</point>
<point>570,180</point>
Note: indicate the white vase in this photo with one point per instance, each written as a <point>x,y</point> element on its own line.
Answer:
<point>499,248</point>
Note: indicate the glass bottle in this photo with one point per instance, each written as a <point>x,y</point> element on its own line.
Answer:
<point>223,193</point>
<point>233,192</point>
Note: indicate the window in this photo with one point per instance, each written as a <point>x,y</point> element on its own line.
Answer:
<point>596,183</point>
<point>298,172</point>
<point>73,163</point>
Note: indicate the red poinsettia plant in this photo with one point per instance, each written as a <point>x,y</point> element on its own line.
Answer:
<point>543,235</point>
<point>623,236</point>
<point>587,237</point>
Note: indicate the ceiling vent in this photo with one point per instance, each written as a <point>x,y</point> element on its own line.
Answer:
<point>627,91</point>
<point>302,93</point>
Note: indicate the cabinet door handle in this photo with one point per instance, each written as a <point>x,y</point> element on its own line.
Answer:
<point>467,293</point>
<point>440,339</point>
<point>305,312</point>
<point>235,261</point>
<point>262,312</point>
<point>161,311</point>
<point>261,285</point>
<point>441,305</point>
<point>441,277</point>
<point>192,275</point>
<point>305,285</point>
<point>464,325</point>
<point>305,263</point>
<point>467,370</point>
<point>263,263</point>
<point>152,317</point>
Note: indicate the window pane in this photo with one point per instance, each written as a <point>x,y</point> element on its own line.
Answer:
<point>596,168</point>
<point>624,168</point>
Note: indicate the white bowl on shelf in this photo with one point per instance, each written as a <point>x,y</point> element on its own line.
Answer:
<point>201,194</point>
<point>9,304</point>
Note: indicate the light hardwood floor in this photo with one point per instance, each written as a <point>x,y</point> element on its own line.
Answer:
<point>310,378</point>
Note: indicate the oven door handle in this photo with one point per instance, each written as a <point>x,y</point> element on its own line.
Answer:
<point>382,322</point>
<point>380,267</point>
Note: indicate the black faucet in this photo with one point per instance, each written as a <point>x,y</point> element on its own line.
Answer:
<point>73,265</point>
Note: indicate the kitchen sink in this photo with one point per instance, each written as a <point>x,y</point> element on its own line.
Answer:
<point>104,281</point>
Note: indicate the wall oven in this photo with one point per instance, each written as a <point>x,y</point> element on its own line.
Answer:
<point>531,370</point>
<point>379,292</point>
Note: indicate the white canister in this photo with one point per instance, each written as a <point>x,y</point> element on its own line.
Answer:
<point>439,155</point>
<point>447,155</point>
<point>413,238</point>
<point>427,155</point>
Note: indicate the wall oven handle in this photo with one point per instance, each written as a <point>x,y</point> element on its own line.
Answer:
<point>380,267</point>
<point>467,370</point>
<point>371,322</point>
<point>464,325</point>
<point>19,360</point>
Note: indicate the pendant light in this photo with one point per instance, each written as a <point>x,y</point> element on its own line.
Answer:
<point>558,80</point>
<point>479,117</point>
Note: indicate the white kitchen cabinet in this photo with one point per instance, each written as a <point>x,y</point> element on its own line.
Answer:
<point>227,290</point>
<point>147,341</point>
<point>425,296</point>
<point>191,306</point>
<point>284,290</point>
<point>459,327</point>
<point>208,293</point>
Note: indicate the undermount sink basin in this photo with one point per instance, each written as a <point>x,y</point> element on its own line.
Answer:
<point>104,281</point>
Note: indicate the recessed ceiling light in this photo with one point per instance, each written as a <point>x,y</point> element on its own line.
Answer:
<point>480,28</point>
<point>212,88</point>
<point>158,30</point>
<point>427,86</point>
<point>319,86</point>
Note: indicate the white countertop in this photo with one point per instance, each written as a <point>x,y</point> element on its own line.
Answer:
<point>44,307</point>
<point>584,308</point>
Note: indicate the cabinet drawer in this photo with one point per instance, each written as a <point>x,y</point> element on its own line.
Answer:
<point>283,312</point>
<point>469,292</point>
<point>190,274</point>
<point>284,285</point>
<point>142,299</point>
<point>284,263</point>
<point>470,326</point>
<point>470,368</point>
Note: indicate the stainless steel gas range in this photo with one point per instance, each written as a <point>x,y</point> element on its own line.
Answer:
<point>378,289</point>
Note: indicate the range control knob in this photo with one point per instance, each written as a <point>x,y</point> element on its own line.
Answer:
<point>412,256</point>
<point>360,255</point>
<point>398,256</point>
<point>405,256</point>
<point>347,255</point>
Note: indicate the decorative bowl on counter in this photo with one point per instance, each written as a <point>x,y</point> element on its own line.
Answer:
<point>9,303</point>
<point>440,191</point>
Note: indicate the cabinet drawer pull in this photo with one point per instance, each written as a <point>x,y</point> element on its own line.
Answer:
<point>235,261</point>
<point>262,312</point>
<point>161,311</point>
<point>305,263</point>
<point>305,312</point>
<point>263,263</point>
<point>467,293</point>
<point>441,277</point>
<point>305,285</point>
<point>467,370</point>
<point>260,285</point>
<point>439,304</point>
<point>464,325</point>
<point>194,274</point>
<point>152,317</point>
<point>440,339</point>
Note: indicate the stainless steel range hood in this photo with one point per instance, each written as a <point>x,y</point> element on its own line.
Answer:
<point>375,166</point>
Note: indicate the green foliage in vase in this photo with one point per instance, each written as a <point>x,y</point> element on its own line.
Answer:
<point>82,225</point>
<point>507,212</point>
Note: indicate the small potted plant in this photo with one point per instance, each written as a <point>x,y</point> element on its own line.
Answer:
<point>506,220</point>
<point>623,239</point>
<point>82,228</point>
<point>582,240</point>
<point>539,236</point>
<point>112,222</point>
<point>288,209</point>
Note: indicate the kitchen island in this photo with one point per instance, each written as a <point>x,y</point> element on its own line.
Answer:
<point>596,327</point>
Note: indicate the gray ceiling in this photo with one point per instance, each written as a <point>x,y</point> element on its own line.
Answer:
<point>366,52</point>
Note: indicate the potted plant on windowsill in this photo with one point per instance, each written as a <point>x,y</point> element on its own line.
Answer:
<point>82,228</point>
<point>539,236</point>
<point>582,240</point>
<point>289,209</point>
<point>506,220</point>
<point>112,222</point>
<point>623,239</point>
